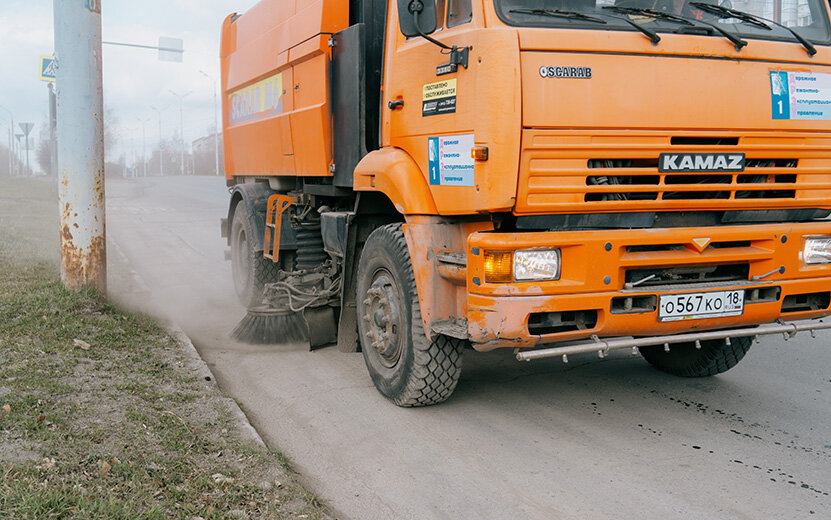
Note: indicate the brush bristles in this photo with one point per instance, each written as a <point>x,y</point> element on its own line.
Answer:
<point>265,329</point>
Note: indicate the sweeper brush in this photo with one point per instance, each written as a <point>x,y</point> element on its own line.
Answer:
<point>296,308</point>
<point>267,325</point>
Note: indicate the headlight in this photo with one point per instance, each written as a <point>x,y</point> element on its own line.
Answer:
<point>533,264</point>
<point>817,250</point>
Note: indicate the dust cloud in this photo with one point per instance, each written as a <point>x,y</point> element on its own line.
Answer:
<point>166,256</point>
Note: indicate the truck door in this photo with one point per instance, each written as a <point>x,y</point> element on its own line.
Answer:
<point>437,110</point>
<point>446,113</point>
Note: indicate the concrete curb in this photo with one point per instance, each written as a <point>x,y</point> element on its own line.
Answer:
<point>246,429</point>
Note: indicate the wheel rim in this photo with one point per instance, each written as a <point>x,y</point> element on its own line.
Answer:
<point>383,319</point>
<point>240,261</point>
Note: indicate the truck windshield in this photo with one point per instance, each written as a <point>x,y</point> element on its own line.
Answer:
<point>807,18</point>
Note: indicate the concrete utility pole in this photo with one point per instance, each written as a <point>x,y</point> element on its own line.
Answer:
<point>216,122</point>
<point>181,130</point>
<point>80,115</point>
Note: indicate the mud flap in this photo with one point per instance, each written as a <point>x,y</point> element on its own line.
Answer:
<point>348,320</point>
<point>322,326</point>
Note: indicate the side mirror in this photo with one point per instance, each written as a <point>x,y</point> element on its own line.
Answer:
<point>417,17</point>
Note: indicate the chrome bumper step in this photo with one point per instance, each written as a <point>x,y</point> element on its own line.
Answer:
<point>603,346</point>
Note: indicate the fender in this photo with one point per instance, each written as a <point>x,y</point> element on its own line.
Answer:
<point>442,289</point>
<point>394,173</point>
<point>255,195</point>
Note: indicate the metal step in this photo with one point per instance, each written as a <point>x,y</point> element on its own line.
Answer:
<point>602,346</point>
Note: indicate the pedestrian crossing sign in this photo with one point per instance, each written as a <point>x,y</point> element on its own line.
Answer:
<point>48,66</point>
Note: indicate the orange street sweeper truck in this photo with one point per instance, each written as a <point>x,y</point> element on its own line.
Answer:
<point>414,177</point>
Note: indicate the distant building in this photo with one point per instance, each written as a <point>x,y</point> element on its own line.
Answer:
<point>204,161</point>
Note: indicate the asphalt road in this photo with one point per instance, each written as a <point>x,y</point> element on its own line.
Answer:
<point>591,439</point>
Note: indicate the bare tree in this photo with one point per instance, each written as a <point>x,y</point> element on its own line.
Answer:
<point>110,133</point>
<point>42,152</point>
<point>4,160</point>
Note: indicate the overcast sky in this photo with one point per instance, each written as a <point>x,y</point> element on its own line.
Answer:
<point>134,79</point>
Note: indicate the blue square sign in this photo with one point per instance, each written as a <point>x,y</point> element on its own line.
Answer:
<point>48,68</point>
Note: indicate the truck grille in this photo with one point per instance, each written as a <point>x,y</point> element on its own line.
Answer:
<point>562,173</point>
<point>689,186</point>
<point>698,274</point>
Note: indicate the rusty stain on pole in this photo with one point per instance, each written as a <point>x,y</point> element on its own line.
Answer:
<point>80,118</point>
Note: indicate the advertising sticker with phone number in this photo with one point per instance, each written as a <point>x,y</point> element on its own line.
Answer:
<point>438,98</point>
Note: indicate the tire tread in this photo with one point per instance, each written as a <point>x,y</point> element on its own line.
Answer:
<point>262,270</point>
<point>437,364</point>
<point>714,358</point>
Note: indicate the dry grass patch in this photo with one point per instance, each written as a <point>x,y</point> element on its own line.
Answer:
<point>102,414</point>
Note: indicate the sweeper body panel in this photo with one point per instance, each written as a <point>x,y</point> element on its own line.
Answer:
<point>410,178</point>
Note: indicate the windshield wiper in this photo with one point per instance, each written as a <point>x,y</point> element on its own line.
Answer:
<point>726,12</point>
<point>573,15</point>
<point>557,13</point>
<point>758,21</point>
<point>735,40</point>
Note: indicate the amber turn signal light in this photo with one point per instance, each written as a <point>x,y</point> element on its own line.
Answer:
<point>499,266</point>
<point>479,153</point>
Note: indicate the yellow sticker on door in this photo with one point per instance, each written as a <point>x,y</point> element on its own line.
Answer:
<point>438,98</point>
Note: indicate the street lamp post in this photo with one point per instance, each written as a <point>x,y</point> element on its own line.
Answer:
<point>143,145</point>
<point>181,98</point>
<point>10,154</point>
<point>11,140</point>
<point>161,150</point>
<point>132,153</point>
<point>216,122</point>
<point>19,150</point>
<point>27,128</point>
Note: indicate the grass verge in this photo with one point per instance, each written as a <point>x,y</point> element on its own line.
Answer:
<point>102,415</point>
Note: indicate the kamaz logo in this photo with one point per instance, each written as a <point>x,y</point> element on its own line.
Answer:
<point>701,162</point>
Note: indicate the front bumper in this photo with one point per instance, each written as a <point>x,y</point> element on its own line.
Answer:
<point>594,267</point>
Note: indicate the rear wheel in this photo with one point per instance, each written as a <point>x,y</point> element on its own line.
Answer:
<point>250,269</point>
<point>683,359</point>
<point>405,365</point>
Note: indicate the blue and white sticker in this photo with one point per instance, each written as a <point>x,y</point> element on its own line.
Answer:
<point>800,95</point>
<point>449,159</point>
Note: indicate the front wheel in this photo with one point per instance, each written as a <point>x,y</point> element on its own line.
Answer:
<point>685,360</point>
<point>405,365</point>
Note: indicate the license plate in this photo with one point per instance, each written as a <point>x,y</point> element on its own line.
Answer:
<point>698,305</point>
